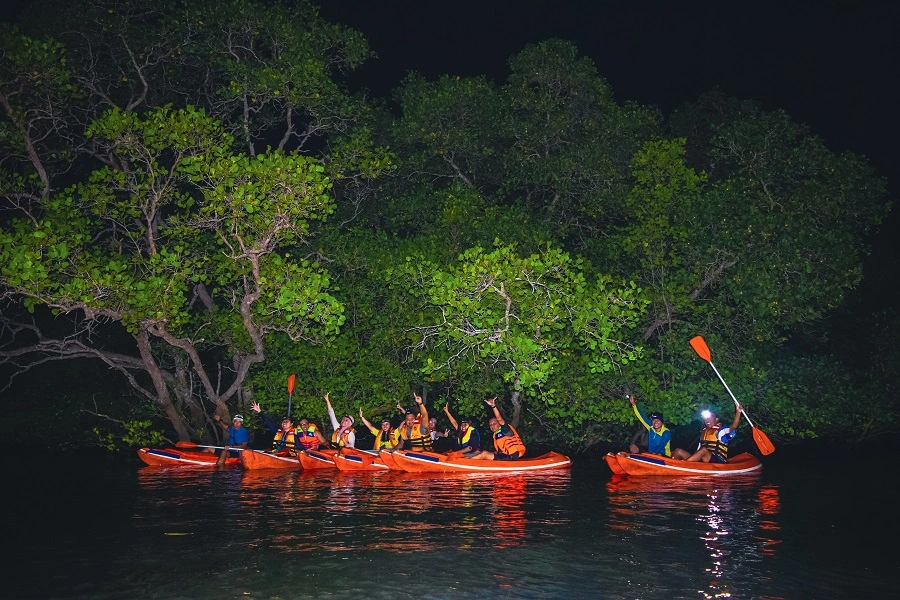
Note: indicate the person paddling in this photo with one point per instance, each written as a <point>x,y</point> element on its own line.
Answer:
<point>714,439</point>
<point>238,437</point>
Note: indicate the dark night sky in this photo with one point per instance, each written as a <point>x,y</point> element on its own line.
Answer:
<point>831,64</point>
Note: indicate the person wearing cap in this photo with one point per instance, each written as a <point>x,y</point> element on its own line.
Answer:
<point>344,435</point>
<point>468,440</point>
<point>386,438</point>
<point>238,437</point>
<point>287,437</point>
<point>507,443</point>
<point>414,434</point>
<point>714,439</point>
<point>659,438</point>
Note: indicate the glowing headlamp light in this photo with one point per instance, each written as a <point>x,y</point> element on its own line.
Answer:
<point>706,414</point>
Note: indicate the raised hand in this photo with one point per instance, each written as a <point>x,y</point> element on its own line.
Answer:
<point>492,402</point>
<point>254,406</point>
<point>418,398</point>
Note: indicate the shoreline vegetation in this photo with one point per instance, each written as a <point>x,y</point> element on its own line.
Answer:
<point>202,207</point>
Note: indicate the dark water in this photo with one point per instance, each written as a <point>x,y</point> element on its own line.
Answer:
<point>101,529</point>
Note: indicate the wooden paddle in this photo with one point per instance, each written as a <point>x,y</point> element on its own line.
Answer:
<point>761,439</point>
<point>292,379</point>
<point>191,445</point>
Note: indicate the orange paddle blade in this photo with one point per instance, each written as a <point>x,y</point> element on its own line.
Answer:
<point>292,379</point>
<point>700,347</point>
<point>762,442</point>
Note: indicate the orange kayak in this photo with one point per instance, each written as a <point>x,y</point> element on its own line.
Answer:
<point>352,459</point>
<point>654,464</point>
<point>259,459</point>
<point>425,462</point>
<point>387,457</point>
<point>174,457</point>
<point>317,459</point>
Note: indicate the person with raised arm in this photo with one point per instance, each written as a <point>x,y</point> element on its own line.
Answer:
<point>306,436</point>
<point>414,434</point>
<point>507,443</point>
<point>386,438</point>
<point>714,439</point>
<point>468,440</point>
<point>659,438</point>
<point>344,435</point>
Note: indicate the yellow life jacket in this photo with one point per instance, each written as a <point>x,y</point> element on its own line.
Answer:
<point>343,441</point>
<point>709,439</point>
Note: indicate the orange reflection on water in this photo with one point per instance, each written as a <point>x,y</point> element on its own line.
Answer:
<point>306,511</point>
<point>509,509</point>
<point>769,506</point>
<point>733,528</point>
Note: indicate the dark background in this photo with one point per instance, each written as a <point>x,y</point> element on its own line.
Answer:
<point>830,64</point>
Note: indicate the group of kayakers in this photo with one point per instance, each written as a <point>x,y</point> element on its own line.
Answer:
<point>712,446</point>
<point>417,432</point>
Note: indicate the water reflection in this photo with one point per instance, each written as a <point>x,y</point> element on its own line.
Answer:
<point>738,518</point>
<point>304,511</point>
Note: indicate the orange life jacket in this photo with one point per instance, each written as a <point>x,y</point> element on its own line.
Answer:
<point>308,438</point>
<point>509,444</point>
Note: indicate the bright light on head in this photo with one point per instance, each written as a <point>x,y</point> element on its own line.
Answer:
<point>706,414</point>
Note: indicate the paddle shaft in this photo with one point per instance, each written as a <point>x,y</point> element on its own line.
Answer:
<point>730,393</point>
<point>193,445</point>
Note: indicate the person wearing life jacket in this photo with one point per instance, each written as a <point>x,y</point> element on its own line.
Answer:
<point>344,435</point>
<point>287,438</point>
<point>386,438</point>
<point>414,434</point>
<point>310,436</point>
<point>468,440</point>
<point>507,443</point>
<point>659,438</point>
<point>714,439</point>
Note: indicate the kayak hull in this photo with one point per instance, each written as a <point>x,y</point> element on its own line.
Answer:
<point>387,457</point>
<point>258,459</point>
<point>174,457</point>
<point>317,459</point>
<point>655,465</point>
<point>431,462</point>
<point>613,462</point>
<point>352,459</point>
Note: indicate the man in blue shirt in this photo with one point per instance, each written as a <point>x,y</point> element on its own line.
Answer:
<point>238,437</point>
<point>659,438</point>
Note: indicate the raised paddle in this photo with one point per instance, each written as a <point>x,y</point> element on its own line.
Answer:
<point>761,439</point>
<point>189,445</point>
<point>292,379</point>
